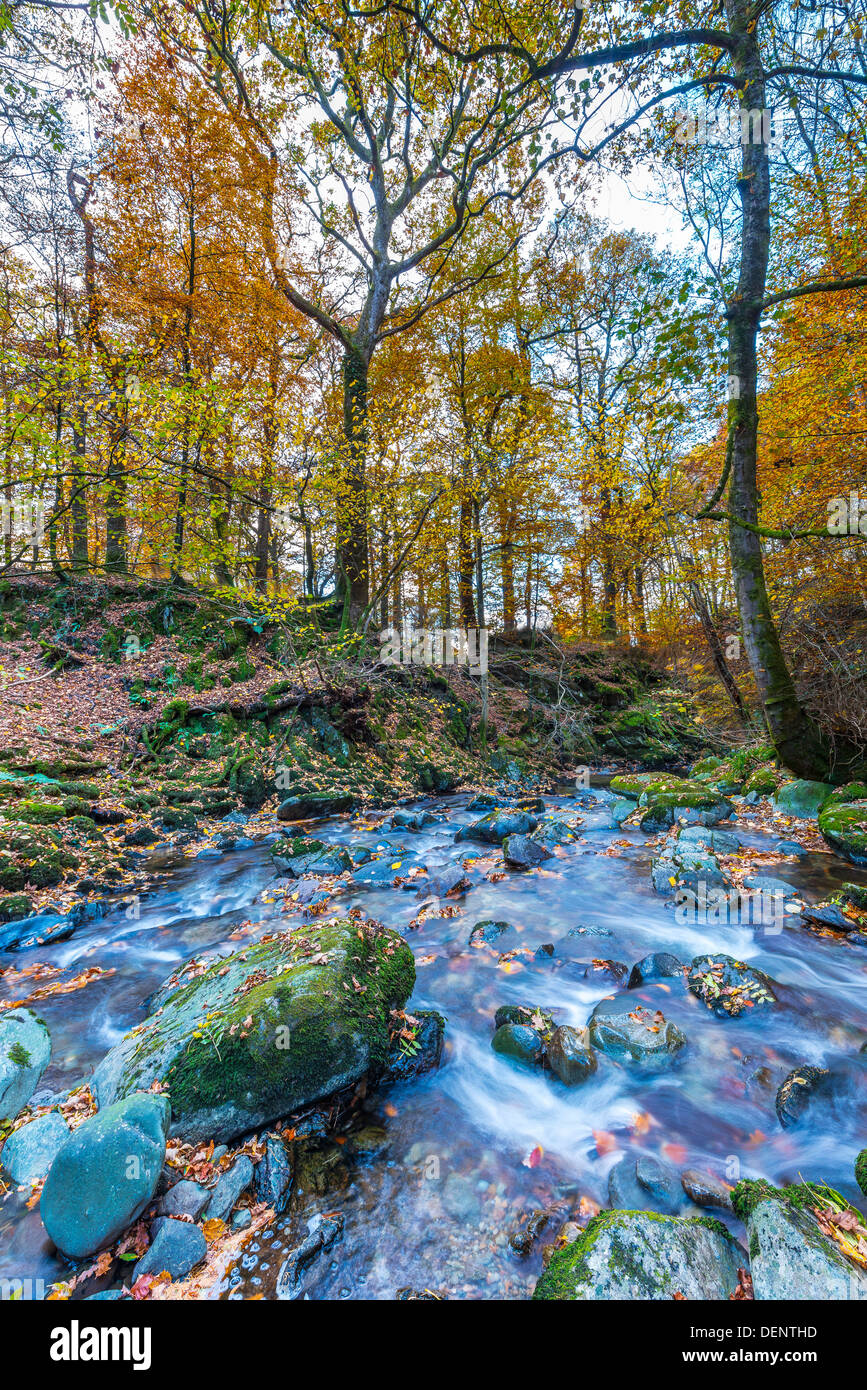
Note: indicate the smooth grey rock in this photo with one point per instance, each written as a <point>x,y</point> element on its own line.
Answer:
<point>629,1256</point>
<point>177,1247</point>
<point>105,1174</point>
<point>185,1198</point>
<point>495,827</point>
<point>802,799</point>
<point>230,1184</point>
<point>25,1047</point>
<point>30,1151</point>
<point>645,1184</point>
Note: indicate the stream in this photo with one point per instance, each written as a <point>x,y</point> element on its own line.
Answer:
<point>470,1149</point>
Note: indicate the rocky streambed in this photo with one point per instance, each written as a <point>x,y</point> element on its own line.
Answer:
<point>600,1044</point>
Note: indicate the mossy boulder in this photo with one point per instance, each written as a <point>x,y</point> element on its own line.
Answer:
<point>844,826</point>
<point>802,799</point>
<point>296,856</point>
<point>667,803</point>
<point>790,1256</point>
<point>630,1255</point>
<point>764,781</point>
<point>633,784</point>
<point>273,1027</point>
<point>861,1171</point>
<point>14,907</point>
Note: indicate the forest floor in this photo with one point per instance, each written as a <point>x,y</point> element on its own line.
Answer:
<point>132,710</point>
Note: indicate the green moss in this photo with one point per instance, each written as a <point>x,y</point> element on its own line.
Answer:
<point>228,1058</point>
<point>39,812</point>
<point>861,1171</point>
<point>764,781</point>
<point>751,1192</point>
<point>13,908</point>
<point>569,1268</point>
<point>844,825</point>
<point>19,1055</point>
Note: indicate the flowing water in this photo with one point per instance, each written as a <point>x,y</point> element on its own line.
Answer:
<point>470,1150</point>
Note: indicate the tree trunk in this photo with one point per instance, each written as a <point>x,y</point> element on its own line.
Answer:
<point>352,567</point>
<point>799,742</point>
<point>78,504</point>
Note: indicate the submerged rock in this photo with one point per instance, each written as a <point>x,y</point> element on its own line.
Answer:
<point>790,1256</point>
<point>629,1033</point>
<point>322,1233</point>
<point>488,931</point>
<point>796,1092</point>
<point>105,1174</point>
<point>645,1183</point>
<point>268,1029</point>
<point>313,806</point>
<point>25,1047</point>
<point>630,1255</point>
<point>412,820</point>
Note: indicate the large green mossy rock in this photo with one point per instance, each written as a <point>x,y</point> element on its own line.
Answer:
<point>802,799</point>
<point>630,1255</point>
<point>790,1256</point>
<point>273,1027</point>
<point>672,801</point>
<point>105,1174</point>
<point>633,784</point>
<point>844,826</point>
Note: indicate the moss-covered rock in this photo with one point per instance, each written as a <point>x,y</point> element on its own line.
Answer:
<point>844,826</point>
<point>764,781</point>
<point>802,799</point>
<point>273,1027</point>
<point>629,1255</point>
<point>790,1256</point>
